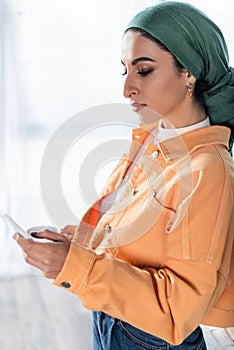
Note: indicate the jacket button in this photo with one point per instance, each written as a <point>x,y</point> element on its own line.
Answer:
<point>108,228</point>
<point>154,155</point>
<point>66,284</point>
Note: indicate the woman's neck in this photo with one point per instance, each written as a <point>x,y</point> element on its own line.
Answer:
<point>187,117</point>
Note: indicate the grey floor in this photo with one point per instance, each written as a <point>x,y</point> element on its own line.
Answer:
<point>36,315</point>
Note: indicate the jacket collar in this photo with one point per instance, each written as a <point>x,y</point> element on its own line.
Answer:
<point>175,147</point>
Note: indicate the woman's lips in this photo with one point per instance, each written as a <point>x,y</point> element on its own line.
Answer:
<point>137,106</point>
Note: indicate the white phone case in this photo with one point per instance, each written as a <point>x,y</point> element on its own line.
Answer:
<point>8,219</point>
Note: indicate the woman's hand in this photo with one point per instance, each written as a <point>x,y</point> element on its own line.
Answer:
<point>69,231</point>
<point>48,257</point>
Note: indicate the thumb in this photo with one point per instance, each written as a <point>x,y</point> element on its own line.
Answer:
<point>51,235</point>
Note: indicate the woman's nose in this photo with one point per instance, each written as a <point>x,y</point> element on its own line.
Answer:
<point>130,88</point>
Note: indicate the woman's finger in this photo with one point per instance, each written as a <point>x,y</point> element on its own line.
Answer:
<point>69,229</point>
<point>46,270</point>
<point>47,234</point>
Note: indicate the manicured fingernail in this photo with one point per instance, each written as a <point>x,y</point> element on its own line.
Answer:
<point>15,235</point>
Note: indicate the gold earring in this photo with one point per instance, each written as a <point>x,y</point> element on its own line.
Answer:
<point>190,90</point>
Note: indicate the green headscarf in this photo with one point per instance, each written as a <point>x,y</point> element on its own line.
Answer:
<point>199,46</point>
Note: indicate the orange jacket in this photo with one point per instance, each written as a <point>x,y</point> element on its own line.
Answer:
<point>162,258</point>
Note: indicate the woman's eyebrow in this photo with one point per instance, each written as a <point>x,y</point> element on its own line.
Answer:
<point>139,59</point>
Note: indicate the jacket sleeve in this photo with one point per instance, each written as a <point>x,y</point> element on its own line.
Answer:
<point>172,300</point>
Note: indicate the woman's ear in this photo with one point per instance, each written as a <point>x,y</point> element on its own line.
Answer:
<point>190,79</point>
<point>190,82</point>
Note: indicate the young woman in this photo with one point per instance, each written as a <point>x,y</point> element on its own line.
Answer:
<point>161,262</point>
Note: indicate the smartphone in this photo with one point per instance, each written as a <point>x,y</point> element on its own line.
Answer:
<point>8,219</point>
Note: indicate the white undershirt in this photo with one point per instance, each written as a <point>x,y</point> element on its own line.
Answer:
<point>164,131</point>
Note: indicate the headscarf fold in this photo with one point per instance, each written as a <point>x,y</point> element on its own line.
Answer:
<point>198,44</point>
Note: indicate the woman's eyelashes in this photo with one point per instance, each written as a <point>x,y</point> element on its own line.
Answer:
<point>142,72</point>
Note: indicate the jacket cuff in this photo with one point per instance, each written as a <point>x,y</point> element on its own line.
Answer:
<point>76,268</point>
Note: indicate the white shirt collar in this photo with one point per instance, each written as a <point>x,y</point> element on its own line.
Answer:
<point>164,131</point>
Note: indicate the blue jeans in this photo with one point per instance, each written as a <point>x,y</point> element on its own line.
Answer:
<point>113,334</point>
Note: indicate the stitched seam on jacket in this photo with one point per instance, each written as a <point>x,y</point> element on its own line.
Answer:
<point>213,246</point>
<point>87,273</point>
